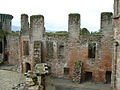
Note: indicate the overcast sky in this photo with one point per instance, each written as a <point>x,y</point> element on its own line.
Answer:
<point>56,11</point>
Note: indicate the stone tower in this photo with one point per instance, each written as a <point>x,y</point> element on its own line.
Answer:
<point>37,26</point>
<point>5,22</point>
<point>74,26</point>
<point>106,24</point>
<point>24,22</point>
<point>116,58</point>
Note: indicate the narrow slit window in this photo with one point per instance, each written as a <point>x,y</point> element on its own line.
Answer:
<point>91,50</point>
<point>66,71</point>
<point>50,50</point>
<point>61,51</point>
<point>25,47</point>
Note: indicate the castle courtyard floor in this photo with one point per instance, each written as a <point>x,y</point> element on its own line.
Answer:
<point>8,79</point>
<point>63,84</point>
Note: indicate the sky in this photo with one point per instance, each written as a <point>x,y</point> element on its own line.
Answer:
<point>56,12</point>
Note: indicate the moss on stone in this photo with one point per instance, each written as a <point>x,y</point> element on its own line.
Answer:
<point>74,15</point>
<point>36,16</point>
<point>77,64</point>
<point>108,14</point>
<point>59,33</point>
<point>3,33</point>
<point>24,15</point>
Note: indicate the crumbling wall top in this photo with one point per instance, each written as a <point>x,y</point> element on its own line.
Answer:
<point>6,16</point>
<point>36,16</point>
<point>106,15</point>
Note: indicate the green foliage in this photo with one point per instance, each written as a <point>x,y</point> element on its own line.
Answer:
<point>62,33</point>
<point>15,33</point>
<point>84,31</point>
<point>77,64</point>
<point>50,57</point>
<point>108,14</point>
<point>3,33</point>
<point>60,56</point>
<point>95,33</point>
<point>36,16</point>
<point>24,15</point>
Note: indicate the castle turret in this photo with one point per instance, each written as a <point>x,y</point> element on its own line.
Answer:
<point>106,24</point>
<point>74,26</point>
<point>37,26</point>
<point>116,7</point>
<point>5,22</point>
<point>24,22</point>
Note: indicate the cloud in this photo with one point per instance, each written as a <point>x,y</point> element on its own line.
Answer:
<point>56,11</point>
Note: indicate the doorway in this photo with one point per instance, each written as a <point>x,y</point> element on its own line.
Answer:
<point>88,76</point>
<point>108,76</point>
<point>28,67</point>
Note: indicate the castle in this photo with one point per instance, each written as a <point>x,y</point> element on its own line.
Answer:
<point>70,55</point>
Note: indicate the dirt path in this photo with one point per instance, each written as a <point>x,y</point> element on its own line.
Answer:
<point>8,79</point>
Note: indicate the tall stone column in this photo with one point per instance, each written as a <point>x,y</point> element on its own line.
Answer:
<point>116,7</point>
<point>74,26</point>
<point>37,26</point>
<point>106,24</point>
<point>116,52</point>
<point>24,22</point>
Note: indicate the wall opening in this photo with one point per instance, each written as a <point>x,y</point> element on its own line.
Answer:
<point>108,76</point>
<point>61,51</point>
<point>88,76</point>
<point>28,67</point>
<point>91,50</point>
<point>50,50</point>
<point>66,71</point>
<point>6,56</point>
<point>1,47</point>
<point>25,48</point>
<point>0,25</point>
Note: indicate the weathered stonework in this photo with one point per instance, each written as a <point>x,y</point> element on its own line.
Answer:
<point>95,55</point>
<point>116,58</point>
<point>61,52</point>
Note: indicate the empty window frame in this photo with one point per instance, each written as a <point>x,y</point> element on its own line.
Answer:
<point>88,76</point>
<point>66,71</point>
<point>25,48</point>
<point>108,76</point>
<point>61,51</point>
<point>91,50</point>
<point>49,49</point>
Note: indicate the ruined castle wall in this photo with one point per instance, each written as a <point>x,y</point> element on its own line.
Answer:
<point>55,59</point>
<point>12,53</point>
<point>116,58</point>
